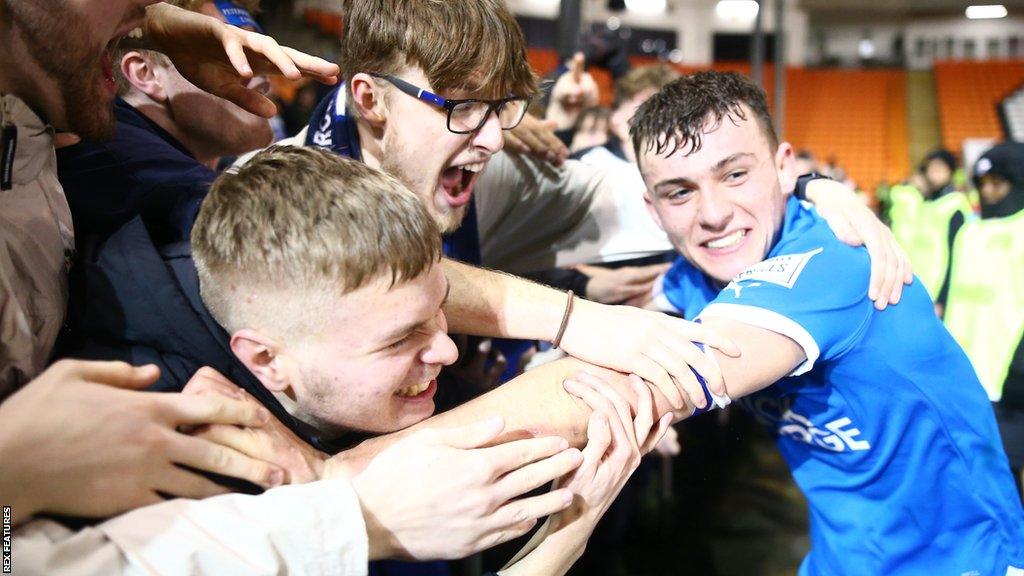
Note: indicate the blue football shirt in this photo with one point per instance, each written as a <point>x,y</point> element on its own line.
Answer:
<point>885,427</point>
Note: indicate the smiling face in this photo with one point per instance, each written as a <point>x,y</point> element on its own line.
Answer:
<point>723,204</point>
<point>374,368</point>
<point>439,166</point>
<point>70,44</point>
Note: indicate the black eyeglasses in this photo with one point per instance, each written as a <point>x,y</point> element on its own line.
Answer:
<point>469,115</point>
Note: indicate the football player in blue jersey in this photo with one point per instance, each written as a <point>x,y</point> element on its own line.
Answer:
<point>880,416</point>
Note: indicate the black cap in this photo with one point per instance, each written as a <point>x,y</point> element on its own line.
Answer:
<point>1005,160</point>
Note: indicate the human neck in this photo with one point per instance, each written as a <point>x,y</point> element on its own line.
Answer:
<point>314,426</point>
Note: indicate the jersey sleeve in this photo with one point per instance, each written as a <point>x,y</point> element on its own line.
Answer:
<point>815,295</point>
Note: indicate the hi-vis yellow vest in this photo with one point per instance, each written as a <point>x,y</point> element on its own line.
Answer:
<point>985,307</point>
<point>922,229</point>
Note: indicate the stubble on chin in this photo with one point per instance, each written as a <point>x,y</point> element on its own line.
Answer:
<point>451,220</point>
<point>59,43</point>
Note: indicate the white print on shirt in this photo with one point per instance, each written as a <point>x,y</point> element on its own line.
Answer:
<point>738,289</point>
<point>836,436</point>
<point>781,270</point>
<point>841,438</point>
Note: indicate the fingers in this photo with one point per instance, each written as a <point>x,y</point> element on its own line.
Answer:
<point>238,439</point>
<point>272,51</point>
<point>904,274</point>
<point>694,332</point>
<point>203,455</point>
<point>266,445</point>
<point>678,362</point>
<point>65,139</point>
<point>599,439</point>
<point>195,410</point>
<point>908,268</point>
<point>509,456</point>
<point>896,290</point>
<point>245,98</point>
<point>186,484</point>
<point>660,430</point>
<point>644,420</point>
<point>882,272</point>
<point>655,373</point>
<point>529,139</point>
<point>528,510</point>
<point>466,437</point>
<point>577,66</point>
<point>620,413</point>
<point>313,67</point>
<point>236,55</point>
<point>557,150</point>
<point>514,144</point>
<point>537,474</point>
<point>208,380</point>
<point>117,374</point>
<point>507,519</point>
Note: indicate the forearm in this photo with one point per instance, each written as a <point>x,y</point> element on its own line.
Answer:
<point>534,404</point>
<point>487,303</point>
<point>554,556</point>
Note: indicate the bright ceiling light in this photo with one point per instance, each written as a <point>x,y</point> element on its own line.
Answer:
<point>646,6</point>
<point>737,10</point>
<point>866,49</point>
<point>982,12</point>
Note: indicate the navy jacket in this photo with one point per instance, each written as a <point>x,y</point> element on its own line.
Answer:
<point>143,170</point>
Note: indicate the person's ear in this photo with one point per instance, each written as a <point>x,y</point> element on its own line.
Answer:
<point>140,72</point>
<point>260,355</point>
<point>785,166</point>
<point>368,99</point>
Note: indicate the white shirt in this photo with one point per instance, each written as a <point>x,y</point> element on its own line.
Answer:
<point>310,529</point>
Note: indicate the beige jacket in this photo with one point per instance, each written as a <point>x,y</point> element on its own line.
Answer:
<point>36,244</point>
<point>310,529</point>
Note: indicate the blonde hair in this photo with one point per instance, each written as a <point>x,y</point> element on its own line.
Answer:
<point>297,227</point>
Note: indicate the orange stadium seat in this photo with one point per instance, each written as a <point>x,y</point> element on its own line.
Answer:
<point>858,117</point>
<point>968,95</point>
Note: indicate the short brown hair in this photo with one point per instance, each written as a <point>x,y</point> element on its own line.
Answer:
<point>675,117</point>
<point>298,226</point>
<point>637,80</point>
<point>473,45</point>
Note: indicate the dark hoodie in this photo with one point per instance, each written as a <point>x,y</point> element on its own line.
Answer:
<point>1006,161</point>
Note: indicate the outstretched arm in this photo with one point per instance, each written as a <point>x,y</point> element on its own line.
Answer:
<point>654,346</point>
<point>535,404</point>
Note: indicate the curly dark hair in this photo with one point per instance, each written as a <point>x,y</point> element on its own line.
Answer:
<point>675,118</point>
